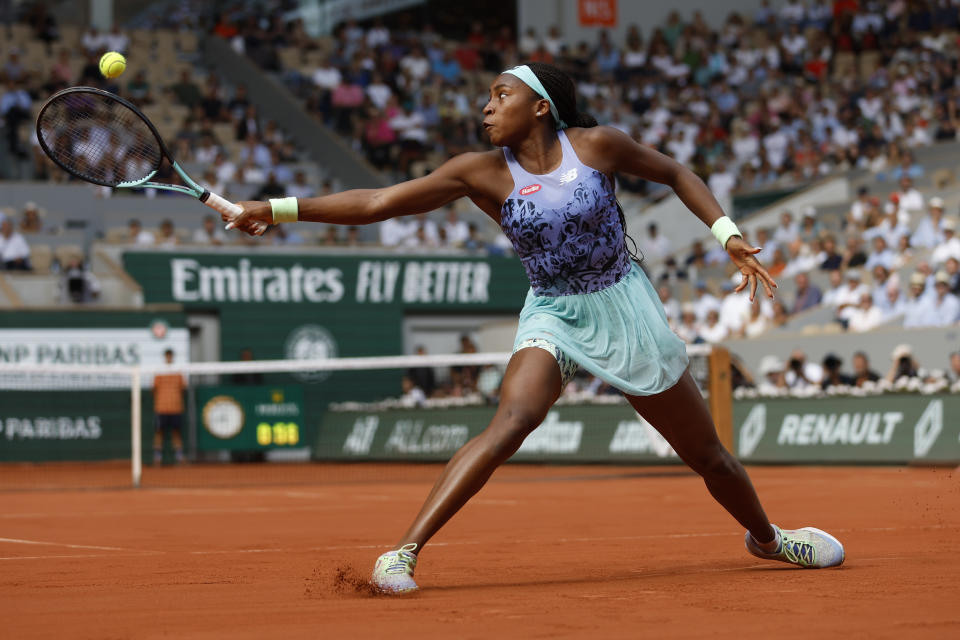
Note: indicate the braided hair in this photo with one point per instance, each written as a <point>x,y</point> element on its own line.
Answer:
<point>563,92</point>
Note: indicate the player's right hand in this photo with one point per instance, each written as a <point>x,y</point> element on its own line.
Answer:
<point>255,219</point>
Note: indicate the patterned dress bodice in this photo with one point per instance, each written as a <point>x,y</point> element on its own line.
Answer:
<point>565,226</point>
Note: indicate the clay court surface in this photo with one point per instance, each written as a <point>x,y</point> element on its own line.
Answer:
<point>542,552</point>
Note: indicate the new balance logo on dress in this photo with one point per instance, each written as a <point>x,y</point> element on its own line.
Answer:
<point>568,176</point>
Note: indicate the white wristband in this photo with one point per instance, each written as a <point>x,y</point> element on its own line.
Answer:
<point>723,229</point>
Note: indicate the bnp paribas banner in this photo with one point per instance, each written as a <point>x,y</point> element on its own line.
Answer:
<point>896,428</point>
<point>603,433</point>
<point>328,280</point>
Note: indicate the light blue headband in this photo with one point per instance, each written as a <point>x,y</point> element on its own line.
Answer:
<point>531,80</point>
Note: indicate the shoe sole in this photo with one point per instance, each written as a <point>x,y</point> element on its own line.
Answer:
<point>843,551</point>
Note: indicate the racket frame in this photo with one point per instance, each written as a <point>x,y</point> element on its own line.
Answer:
<point>192,189</point>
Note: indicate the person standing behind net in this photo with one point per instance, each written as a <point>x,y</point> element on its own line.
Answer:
<point>551,189</point>
<point>168,411</point>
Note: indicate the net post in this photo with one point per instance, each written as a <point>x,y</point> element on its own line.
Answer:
<point>136,432</point>
<point>721,394</point>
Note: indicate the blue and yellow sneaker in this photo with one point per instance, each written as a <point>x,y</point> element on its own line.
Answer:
<point>808,547</point>
<point>393,572</point>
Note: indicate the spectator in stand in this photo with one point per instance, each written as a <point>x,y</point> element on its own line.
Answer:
<point>456,229</point>
<point>881,256</point>
<point>14,250</point>
<point>949,247</point>
<point>854,254</point>
<point>704,301</point>
<point>413,396</point>
<point>952,268</point>
<point>711,330</point>
<point>137,235</point>
<point>929,232</point>
<point>882,281</point>
<point>299,187</point>
<point>286,235</point>
<point>671,306</point>
<point>911,200</point>
<point>945,309</point>
<point>688,328</point>
<point>186,91</point>
<point>168,235</point>
<point>394,232</point>
<point>116,40</point>
<point>787,232</point>
<point>808,295</point>
<point>953,375</point>
<point>93,41</point>
<point>799,373</point>
<point>832,376</point>
<point>772,370</point>
<point>756,323</point>
<point>832,259</point>
<point>866,315</point>
<point>210,234</point>
<point>30,222</point>
<point>655,246</point>
<point>247,377</point>
<point>139,89</point>
<point>858,210</point>
<point>902,364</point>
<point>861,370</point>
<point>849,296</point>
<point>78,285</point>
<point>272,188</point>
<point>781,315</point>
<point>330,237</point>
<point>917,314</point>
<point>15,108</point>
<point>423,377</point>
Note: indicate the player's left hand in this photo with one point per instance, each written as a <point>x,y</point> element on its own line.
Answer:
<point>750,268</point>
<point>255,219</point>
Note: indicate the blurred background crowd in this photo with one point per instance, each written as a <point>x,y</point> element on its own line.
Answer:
<point>775,98</point>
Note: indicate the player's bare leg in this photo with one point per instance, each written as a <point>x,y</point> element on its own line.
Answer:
<point>692,434</point>
<point>681,415</point>
<point>530,386</point>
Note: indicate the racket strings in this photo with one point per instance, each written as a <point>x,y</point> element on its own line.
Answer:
<point>99,139</point>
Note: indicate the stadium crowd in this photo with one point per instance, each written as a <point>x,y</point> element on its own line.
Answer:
<point>776,98</point>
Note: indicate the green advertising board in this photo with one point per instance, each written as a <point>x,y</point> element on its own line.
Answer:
<point>895,428</point>
<point>82,424</point>
<point>594,433</point>
<point>254,418</point>
<point>284,305</point>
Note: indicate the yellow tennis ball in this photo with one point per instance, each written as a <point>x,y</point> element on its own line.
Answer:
<point>112,64</point>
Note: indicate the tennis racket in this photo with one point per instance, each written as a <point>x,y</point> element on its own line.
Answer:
<point>101,138</point>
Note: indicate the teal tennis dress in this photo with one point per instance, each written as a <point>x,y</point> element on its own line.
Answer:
<point>589,304</point>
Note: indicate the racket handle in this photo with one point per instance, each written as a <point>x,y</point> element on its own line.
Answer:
<point>222,205</point>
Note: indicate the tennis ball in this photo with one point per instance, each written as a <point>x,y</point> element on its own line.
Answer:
<point>112,64</point>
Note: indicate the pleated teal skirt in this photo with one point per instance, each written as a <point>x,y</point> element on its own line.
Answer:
<point>619,334</point>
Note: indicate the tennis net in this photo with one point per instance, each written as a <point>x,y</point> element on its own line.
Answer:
<point>294,421</point>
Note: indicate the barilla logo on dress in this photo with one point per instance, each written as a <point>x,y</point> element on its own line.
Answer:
<point>530,188</point>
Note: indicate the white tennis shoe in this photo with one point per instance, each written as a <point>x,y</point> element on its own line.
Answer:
<point>808,547</point>
<point>393,572</point>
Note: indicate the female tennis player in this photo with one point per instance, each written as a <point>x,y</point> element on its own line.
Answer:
<point>551,189</point>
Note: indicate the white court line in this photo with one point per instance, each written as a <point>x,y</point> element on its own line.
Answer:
<point>226,510</point>
<point>78,555</point>
<point>456,543</point>
<point>63,544</point>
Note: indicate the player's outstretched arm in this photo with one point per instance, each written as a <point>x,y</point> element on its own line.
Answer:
<point>628,156</point>
<point>364,206</point>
